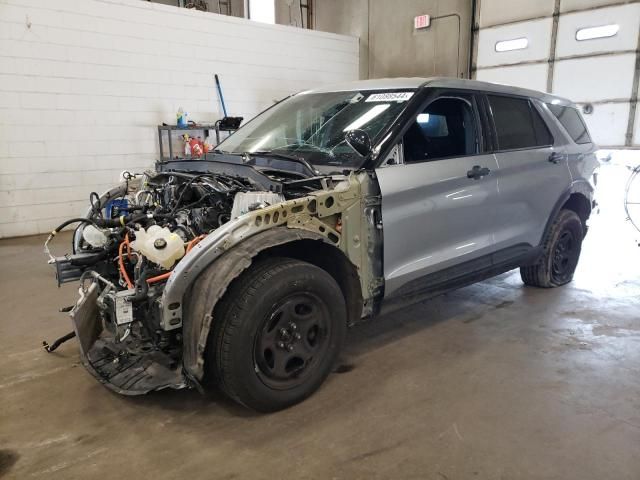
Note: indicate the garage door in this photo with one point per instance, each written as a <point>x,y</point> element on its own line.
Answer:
<point>585,50</point>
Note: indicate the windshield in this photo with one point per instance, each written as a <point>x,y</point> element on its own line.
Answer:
<point>312,126</point>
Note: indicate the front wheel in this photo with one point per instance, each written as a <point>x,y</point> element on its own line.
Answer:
<point>562,246</point>
<point>276,334</point>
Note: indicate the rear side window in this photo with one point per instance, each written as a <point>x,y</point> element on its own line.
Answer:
<point>572,122</point>
<point>518,123</point>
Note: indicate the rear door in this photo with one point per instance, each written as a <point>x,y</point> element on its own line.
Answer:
<point>533,171</point>
<point>438,205</point>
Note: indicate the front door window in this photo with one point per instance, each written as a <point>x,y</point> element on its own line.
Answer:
<point>446,128</point>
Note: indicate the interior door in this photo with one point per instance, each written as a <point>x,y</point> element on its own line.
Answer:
<point>400,51</point>
<point>533,171</point>
<point>438,204</point>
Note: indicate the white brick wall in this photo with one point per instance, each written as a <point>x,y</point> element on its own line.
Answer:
<point>83,84</point>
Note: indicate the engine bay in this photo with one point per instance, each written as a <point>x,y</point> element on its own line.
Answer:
<point>134,236</point>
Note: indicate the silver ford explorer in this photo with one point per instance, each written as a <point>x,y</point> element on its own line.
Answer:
<point>242,270</point>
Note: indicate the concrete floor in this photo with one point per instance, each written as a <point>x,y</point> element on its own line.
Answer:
<point>492,381</point>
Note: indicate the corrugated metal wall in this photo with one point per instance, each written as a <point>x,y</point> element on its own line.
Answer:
<point>600,74</point>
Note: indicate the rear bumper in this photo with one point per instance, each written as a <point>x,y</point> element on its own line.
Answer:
<point>123,367</point>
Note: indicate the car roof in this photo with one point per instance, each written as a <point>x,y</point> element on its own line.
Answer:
<point>442,82</point>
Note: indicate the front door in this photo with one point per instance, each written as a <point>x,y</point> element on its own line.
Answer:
<point>438,204</point>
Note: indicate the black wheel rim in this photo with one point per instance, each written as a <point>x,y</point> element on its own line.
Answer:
<point>292,341</point>
<point>564,255</point>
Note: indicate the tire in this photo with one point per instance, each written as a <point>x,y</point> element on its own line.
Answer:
<point>562,245</point>
<point>276,334</point>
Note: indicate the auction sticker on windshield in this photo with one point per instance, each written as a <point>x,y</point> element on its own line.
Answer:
<point>389,97</point>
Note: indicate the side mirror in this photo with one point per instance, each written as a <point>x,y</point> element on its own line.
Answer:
<point>360,141</point>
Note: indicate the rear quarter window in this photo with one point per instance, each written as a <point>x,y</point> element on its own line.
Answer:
<point>572,122</point>
<point>518,124</point>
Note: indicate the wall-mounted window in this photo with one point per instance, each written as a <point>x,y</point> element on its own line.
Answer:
<point>602,31</point>
<point>515,44</point>
<point>233,8</point>
<point>262,11</point>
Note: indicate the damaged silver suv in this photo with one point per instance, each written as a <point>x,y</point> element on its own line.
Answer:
<point>243,270</point>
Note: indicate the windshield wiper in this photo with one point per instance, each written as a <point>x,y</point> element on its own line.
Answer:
<point>284,156</point>
<point>223,152</point>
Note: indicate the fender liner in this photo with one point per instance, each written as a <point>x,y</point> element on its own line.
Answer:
<point>212,283</point>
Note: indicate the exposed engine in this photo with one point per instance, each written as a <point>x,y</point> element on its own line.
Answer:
<point>127,247</point>
<point>130,243</point>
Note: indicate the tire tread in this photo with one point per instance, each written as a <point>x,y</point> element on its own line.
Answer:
<point>539,274</point>
<point>229,314</point>
<point>228,317</point>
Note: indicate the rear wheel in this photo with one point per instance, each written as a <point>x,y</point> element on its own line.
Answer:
<point>562,247</point>
<point>276,334</point>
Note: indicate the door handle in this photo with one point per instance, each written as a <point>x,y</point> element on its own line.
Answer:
<point>555,157</point>
<point>478,172</point>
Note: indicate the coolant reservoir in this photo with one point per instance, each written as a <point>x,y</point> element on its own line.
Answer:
<point>244,202</point>
<point>94,236</point>
<point>159,245</point>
